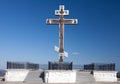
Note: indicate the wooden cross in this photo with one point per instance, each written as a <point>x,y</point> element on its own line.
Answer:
<point>61,21</point>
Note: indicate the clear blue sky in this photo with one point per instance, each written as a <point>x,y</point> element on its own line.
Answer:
<point>24,35</point>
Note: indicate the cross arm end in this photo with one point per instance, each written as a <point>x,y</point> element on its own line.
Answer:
<point>52,21</point>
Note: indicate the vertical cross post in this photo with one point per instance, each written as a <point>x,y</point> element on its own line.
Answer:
<point>61,21</point>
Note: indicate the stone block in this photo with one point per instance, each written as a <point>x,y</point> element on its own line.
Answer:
<point>14,75</point>
<point>60,76</point>
<point>105,76</point>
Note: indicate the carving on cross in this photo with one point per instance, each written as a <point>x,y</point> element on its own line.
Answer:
<point>61,21</point>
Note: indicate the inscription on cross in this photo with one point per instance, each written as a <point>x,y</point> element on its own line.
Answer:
<point>61,21</point>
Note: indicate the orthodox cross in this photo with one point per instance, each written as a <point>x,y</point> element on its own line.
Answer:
<point>61,21</point>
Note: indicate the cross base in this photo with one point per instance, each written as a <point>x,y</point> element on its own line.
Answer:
<point>61,59</point>
<point>60,65</point>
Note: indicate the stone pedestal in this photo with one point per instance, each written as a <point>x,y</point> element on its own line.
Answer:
<point>105,76</point>
<point>60,76</point>
<point>14,75</point>
<point>60,65</point>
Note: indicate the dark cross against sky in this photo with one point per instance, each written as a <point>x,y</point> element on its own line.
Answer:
<point>61,21</point>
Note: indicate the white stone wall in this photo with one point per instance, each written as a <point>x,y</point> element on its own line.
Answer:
<point>60,76</point>
<point>16,75</point>
<point>105,76</point>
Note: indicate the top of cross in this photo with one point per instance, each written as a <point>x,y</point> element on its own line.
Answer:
<point>61,11</point>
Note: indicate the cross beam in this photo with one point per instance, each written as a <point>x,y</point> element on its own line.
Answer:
<point>61,21</point>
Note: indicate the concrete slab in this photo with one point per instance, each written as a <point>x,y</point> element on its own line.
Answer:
<point>36,77</point>
<point>16,74</point>
<point>105,76</point>
<point>60,76</point>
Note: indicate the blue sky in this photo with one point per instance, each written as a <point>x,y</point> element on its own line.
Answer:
<point>24,35</point>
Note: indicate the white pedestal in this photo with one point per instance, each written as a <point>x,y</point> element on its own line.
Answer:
<point>105,76</point>
<point>60,76</point>
<point>16,75</point>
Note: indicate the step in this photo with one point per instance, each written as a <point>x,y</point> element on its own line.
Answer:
<point>34,76</point>
<point>84,77</point>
